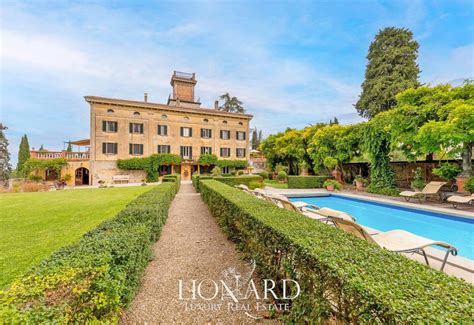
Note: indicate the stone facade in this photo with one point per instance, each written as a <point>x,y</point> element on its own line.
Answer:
<point>181,111</point>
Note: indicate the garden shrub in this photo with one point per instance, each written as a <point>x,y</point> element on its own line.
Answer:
<point>332,182</point>
<point>149,164</point>
<point>172,178</point>
<point>91,280</point>
<point>196,177</point>
<point>418,182</point>
<point>281,176</point>
<point>306,181</point>
<point>447,171</point>
<point>469,184</point>
<point>216,171</point>
<point>264,174</point>
<point>236,180</point>
<point>342,278</point>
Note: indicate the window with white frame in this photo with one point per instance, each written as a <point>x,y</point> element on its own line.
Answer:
<point>206,133</point>
<point>186,152</point>
<point>240,152</point>
<point>240,135</point>
<point>136,128</point>
<point>164,148</point>
<point>135,149</point>
<point>186,132</point>
<point>109,126</point>
<point>162,129</point>
<point>109,148</point>
<point>225,134</point>
<point>206,150</point>
<point>225,152</point>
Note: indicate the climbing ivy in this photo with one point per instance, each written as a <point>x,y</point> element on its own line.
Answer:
<point>208,160</point>
<point>376,138</point>
<point>33,164</point>
<point>149,164</point>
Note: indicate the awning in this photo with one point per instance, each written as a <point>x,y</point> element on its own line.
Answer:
<point>85,142</point>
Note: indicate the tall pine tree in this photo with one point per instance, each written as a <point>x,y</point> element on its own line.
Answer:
<point>69,146</point>
<point>391,68</point>
<point>23,153</point>
<point>5,167</point>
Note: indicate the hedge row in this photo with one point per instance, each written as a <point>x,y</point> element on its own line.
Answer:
<point>307,181</point>
<point>172,178</point>
<point>342,278</point>
<point>249,180</point>
<point>91,280</point>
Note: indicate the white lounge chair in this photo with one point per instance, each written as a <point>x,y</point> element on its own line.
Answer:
<point>458,199</point>
<point>399,241</point>
<point>431,189</point>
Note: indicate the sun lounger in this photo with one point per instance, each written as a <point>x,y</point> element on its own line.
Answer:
<point>458,199</point>
<point>431,189</point>
<point>399,241</point>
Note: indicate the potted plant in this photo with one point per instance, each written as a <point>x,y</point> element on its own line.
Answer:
<point>418,181</point>
<point>360,182</point>
<point>469,184</point>
<point>331,185</point>
<point>331,163</point>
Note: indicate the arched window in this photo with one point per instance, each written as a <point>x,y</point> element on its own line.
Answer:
<point>206,120</point>
<point>110,111</point>
<point>164,116</point>
<point>225,122</point>
<point>136,114</point>
<point>240,123</point>
<point>186,118</point>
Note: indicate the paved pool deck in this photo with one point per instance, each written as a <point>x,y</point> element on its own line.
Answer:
<point>456,266</point>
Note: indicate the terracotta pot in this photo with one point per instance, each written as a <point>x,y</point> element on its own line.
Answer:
<point>330,188</point>
<point>460,184</point>
<point>359,185</point>
<point>337,175</point>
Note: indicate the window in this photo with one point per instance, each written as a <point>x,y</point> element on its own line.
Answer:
<point>186,132</point>
<point>206,133</point>
<point>206,120</point>
<point>240,135</point>
<point>186,152</point>
<point>240,123</point>
<point>162,129</point>
<point>225,152</point>
<point>240,152</point>
<point>225,170</point>
<point>109,148</point>
<point>186,118</point>
<point>164,116</point>
<point>109,126</point>
<point>164,148</point>
<point>225,122</point>
<point>136,128</point>
<point>136,114</point>
<point>206,150</point>
<point>135,149</point>
<point>110,111</point>
<point>225,134</point>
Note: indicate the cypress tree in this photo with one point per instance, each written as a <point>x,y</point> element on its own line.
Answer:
<point>69,147</point>
<point>23,153</point>
<point>5,167</point>
<point>391,68</point>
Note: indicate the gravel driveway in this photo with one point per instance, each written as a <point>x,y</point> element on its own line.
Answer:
<point>192,246</point>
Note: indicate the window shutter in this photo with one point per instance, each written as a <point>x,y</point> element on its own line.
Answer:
<point>210,133</point>
<point>141,148</point>
<point>130,148</point>
<point>165,129</point>
<point>221,134</point>
<point>104,147</point>
<point>190,152</point>
<point>130,127</point>
<point>245,136</point>
<point>202,133</point>
<point>115,148</point>
<point>190,132</point>
<point>182,135</point>
<point>104,126</point>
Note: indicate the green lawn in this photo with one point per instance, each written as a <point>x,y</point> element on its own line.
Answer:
<point>275,184</point>
<point>33,225</point>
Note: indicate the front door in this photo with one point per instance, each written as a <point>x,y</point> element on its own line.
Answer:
<point>186,172</point>
<point>82,176</point>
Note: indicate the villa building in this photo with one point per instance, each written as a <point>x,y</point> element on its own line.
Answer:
<point>123,129</point>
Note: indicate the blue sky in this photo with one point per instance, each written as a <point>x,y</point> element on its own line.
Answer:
<point>290,63</point>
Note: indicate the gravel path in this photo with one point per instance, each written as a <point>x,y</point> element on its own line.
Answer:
<point>192,246</point>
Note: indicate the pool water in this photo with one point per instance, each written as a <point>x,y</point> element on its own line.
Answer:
<point>456,231</point>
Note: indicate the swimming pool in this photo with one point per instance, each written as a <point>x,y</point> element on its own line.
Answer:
<point>454,230</point>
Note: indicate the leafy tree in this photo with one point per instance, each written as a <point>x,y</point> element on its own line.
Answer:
<point>427,120</point>
<point>391,68</point>
<point>231,104</point>
<point>69,147</point>
<point>23,153</point>
<point>333,145</point>
<point>5,167</point>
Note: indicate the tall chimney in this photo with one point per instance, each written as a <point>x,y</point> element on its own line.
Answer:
<point>146,97</point>
<point>216,104</point>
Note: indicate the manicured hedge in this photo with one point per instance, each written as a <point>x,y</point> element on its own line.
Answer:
<point>236,180</point>
<point>307,181</point>
<point>91,280</point>
<point>196,177</point>
<point>172,178</point>
<point>342,278</point>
